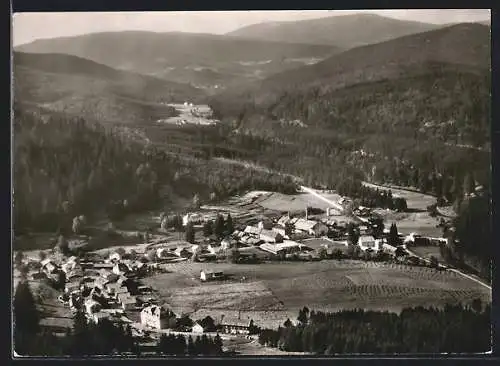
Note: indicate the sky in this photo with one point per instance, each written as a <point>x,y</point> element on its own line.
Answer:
<point>27,27</point>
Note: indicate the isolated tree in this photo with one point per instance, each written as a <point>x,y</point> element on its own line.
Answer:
<point>62,244</point>
<point>287,323</point>
<point>18,258</point>
<point>42,255</point>
<point>178,223</point>
<point>289,229</point>
<point>121,251</point>
<point>196,201</point>
<point>219,226</point>
<point>207,228</point>
<point>322,253</point>
<point>26,318</point>
<point>469,184</point>
<point>234,255</point>
<point>352,234</point>
<point>229,224</point>
<point>303,315</point>
<point>393,238</point>
<point>190,233</point>
<point>164,223</point>
<point>190,346</point>
<point>217,342</point>
<point>477,305</point>
<point>434,262</point>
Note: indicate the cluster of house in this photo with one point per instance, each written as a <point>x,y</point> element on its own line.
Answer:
<point>103,289</point>
<point>157,317</point>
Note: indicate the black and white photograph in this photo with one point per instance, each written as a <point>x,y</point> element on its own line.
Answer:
<point>224,184</point>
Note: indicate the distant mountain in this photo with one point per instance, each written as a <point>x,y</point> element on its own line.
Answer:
<point>467,46</point>
<point>346,31</point>
<point>68,83</point>
<point>437,79</point>
<point>184,56</point>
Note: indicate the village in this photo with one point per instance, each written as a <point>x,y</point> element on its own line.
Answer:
<point>111,284</point>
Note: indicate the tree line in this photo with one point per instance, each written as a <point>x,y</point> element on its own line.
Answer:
<point>454,328</point>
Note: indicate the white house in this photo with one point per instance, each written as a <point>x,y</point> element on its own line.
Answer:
<point>252,230</point>
<point>280,231</point>
<point>155,317</point>
<point>193,218</point>
<point>128,303</point>
<point>284,220</point>
<point>211,275</point>
<point>366,242</point>
<point>271,236</point>
<point>311,227</point>
<point>197,328</point>
<point>120,269</point>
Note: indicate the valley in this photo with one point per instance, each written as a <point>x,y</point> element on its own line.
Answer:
<point>251,193</point>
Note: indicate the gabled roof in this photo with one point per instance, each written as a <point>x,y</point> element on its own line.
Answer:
<point>283,220</point>
<point>253,230</point>
<point>270,233</point>
<point>366,238</point>
<point>303,224</point>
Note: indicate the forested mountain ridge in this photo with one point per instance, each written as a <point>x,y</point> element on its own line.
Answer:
<point>82,87</point>
<point>438,80</point>
<point>66,166</point>
<point>466,46</point>
<point>185,57</point>
<point>346,31</point>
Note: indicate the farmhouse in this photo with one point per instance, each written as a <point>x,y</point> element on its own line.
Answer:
<point>367,242</point>
<point>92,306</point>
<point>271,236</point>
<point>164,253</point>
<point>193,218</point>
<point>252,230</point>
<point>210,275</point>
<point>155,317</point>
<point>72,287</point>
<point>235,326</point>
<point>183,251</point>
<point>214,248</point>
<point>197,328</point>
<point>100,316</point>
<point>228,242</point>
<point>283,221</point>
<point>265,224</point>
<point>128,303</point>
<point>280,231</point>
<point>311,227</point>
<point>389,249</point>
<point>287,247</point>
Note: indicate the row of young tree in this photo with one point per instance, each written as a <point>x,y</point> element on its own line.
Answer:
<point>454,328</point>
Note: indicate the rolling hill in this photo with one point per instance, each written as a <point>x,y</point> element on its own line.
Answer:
<point>75,85</point>
<point>464,47</point>
<point>345,31</point>
<point>432,85</point>
<point>185,57</point>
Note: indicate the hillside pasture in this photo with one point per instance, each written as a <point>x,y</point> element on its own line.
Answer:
<point>272,292</point>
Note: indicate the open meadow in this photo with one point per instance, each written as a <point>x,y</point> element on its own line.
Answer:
<point>271,292</point>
